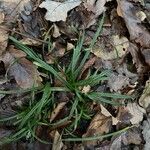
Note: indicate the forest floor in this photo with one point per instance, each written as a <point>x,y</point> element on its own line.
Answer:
<point>74,74</point>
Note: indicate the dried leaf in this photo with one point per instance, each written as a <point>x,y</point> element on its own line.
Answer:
<point>146,133</point>
<point>57,110</point>
<point>136,111</point>
<point>141,15</point>
<point>12,7</point>
<point>86,89</point>
<point>57,141</point>
<point>24,72</point>
<point>137,59</point>
<point>56,32</point>
<point>144,100</point>
<point>119,49</point>
<point>117,82</point>
<point>100,124</point>
<point>3,40</point>
<point>137,31</point>
<point>29,41</point>
<point>132,113</point>
<point>131,136</point>
<point>57,11</point>
<point>105,112</point>
<point>97,7</point>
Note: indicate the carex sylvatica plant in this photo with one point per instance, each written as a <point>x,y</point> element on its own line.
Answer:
<point>35,114</point>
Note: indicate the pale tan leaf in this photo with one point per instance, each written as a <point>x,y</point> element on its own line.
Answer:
<point>136,111</point>
<point>57,141</point>
<point>57,11</point>
<point>100,124</point>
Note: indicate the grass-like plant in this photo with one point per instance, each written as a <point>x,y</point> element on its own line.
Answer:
<point>36,114</point>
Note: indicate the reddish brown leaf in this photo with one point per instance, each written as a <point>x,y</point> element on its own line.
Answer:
<point>137,31</point>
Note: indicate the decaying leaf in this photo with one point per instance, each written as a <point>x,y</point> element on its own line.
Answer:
<point>57,141</point>
<point>29,41</point>
<point>119,48</point>
<point>57,110</point>
<point>137,58</point>
<point>24,72</point>
<point>146,133</point>
<point>132,113</point>
<point>122,141</point>
<point>100,124</point>
<point>146,54</point>
<point>136,112</point>
<point>137,31</point>
<point>144,100</point>
<point>11,8</point>
<point>117,82</point>
<point>105,112</point>
<point>96,8</point>
<point>57,11</point>
<point>3,40</point>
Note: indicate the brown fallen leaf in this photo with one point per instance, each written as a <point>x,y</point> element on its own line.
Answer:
<point>105,112</point>
<point>132,113</point>
<point>137,59</point>
<point>57,110</point>
<point>119,47</point>
<point>12,8</point>
<point>24,72</point>
<point>137,31</point>
<point>96,7</point>
<point>146,54</point>
<point>122,140</point>
<point>144,100</point>
<point>57,11</point>
<point>136,112</point>
<point>100,124</point>
<point>117,81</point>
<point>146,133</point>
<point>3,40</point>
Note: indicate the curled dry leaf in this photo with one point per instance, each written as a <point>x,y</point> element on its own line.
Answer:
<point>57,11</point>
<point>137,31</point>
<point>24,72</point>
<point>100,124</point>
<point>144,100</point>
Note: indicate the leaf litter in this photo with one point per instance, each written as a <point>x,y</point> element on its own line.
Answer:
<point>123,47</point>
